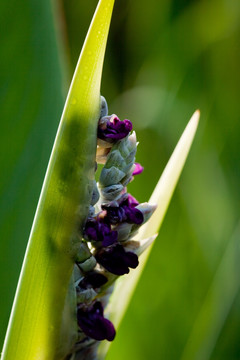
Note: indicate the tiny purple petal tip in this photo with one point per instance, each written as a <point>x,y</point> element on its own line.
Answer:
<point>138,169</point>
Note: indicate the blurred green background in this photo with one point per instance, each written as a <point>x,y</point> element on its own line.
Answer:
<point>164,59</point>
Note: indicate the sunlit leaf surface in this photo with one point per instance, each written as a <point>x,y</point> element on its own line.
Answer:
<point>35,329</point>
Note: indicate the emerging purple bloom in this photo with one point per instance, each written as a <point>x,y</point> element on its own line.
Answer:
<point>94,324</point>
<point>99,230</point>
<point>123,211</point>
<point>112,128</point>
<point>93,279</point>
<point>132,202</point>
<point>116,260</point>
<point>138,169</point>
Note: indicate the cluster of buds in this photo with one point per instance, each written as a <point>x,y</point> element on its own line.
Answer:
<point>108,249</point>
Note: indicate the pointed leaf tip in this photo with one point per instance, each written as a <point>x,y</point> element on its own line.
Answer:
<point>164,190</point>
<point>195,118</point>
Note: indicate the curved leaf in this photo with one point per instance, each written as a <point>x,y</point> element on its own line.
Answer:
<point>35,323</point>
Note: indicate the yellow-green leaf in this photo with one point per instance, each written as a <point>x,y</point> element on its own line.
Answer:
<point>35,326</point>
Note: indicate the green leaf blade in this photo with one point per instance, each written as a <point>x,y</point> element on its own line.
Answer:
<point>34,330</point>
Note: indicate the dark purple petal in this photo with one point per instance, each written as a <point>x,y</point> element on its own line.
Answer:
<point>115,214</point>
<point>91,230</point>
<point>116,260</point>
<point>134,215</point>
<point>93,279</point>
<point>109,238</point>
<point>113,128</point>
<point>99,230</point>
<point>128,200</point>
<point>110,332</point>
<point>138,169</point>
<point>93,323</point>
<point>123,211</point>
<point>132,259</point>
<point>132,202</point>
<point>91,233</point>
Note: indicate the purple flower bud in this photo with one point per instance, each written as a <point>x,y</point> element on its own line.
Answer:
<point>132,201</point>
<point>116,260</point>
<point>111,128</point>
<point>99,230</point>
<point>92,322</point>
<point>93,279</point>
<point>115,214</point>
<point>138,169</point>
<point>134,215</point>
<point>123,211</point>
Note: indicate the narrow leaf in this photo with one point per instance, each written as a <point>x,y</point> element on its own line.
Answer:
<point>35,326</point>
<point>161,196</point>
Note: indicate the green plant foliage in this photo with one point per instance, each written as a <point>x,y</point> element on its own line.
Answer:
<point>42,323</point>
<point>31,101</point>
<point>163,61</point>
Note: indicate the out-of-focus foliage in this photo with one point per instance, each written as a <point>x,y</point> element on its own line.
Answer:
<point>164,59</point>
<point>31,101</point>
